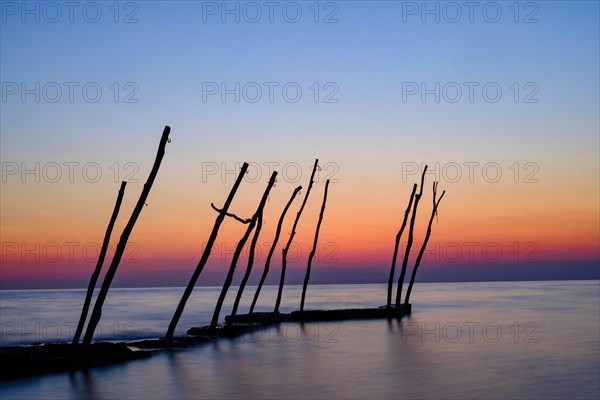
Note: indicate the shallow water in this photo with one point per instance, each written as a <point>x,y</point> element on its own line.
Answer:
<point>463,340</point>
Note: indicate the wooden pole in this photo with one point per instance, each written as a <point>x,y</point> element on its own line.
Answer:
<point>285,250</point>
<point>314,249</point>
<point>410,240</point>
<point>272,249</point>
<point>238,251</point>
<point>205,255</point>
<point>427,235</point>
<point>259,223</point>
<point>96,273</point>
<point>396,245</point>
<point>97,311</point>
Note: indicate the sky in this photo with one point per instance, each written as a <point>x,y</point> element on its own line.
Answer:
<point>499,99</point>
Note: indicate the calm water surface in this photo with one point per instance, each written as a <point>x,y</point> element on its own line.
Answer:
<point>503,340</point>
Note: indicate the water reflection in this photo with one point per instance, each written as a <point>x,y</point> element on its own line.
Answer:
<point>83,386</point>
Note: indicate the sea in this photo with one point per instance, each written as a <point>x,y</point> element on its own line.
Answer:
<point>497,340</point>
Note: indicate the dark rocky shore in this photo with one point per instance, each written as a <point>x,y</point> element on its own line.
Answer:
<point>25,361</point>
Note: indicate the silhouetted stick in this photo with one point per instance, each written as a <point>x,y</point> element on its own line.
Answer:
<point>96,273</point>
<point>238,251</point>
<point>272,249</point>
<point>244,281</point>
<point>110,274</point>
<point>285,250</point>
<point>205,255</point>
<point>314,249</point>
<point>259,223</point>
<point>427,235</point>
<point>410,241</point>
<point>243,221</point>
<point>396,245</point>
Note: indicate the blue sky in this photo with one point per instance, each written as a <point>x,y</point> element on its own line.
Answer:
<point>365,60</point>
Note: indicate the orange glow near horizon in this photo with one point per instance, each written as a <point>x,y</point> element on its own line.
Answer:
<point>359,228</point>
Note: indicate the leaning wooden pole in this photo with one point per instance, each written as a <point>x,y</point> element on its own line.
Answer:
<point>259,223</point>
<point>396,245</point>
<point>410,240</point>
<point>314,248</point>
<point>110,274</point>
<point>205,255</point>
<point>272,249</point>
<point>427,235</point>
<point>96,273</point>
<point>238,251</point>
<point>285,250</point>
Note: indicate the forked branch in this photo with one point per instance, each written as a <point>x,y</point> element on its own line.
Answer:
<point>427,235</point>
<point>227,214</point>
